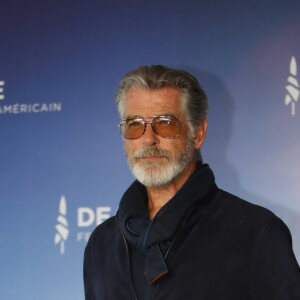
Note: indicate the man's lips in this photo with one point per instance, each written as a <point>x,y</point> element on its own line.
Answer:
<point>151,157</point>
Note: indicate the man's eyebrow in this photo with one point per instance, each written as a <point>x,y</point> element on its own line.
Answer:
<point>166,114</point>
<point>131,117</point>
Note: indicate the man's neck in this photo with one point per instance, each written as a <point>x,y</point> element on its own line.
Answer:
<point>159,196</point>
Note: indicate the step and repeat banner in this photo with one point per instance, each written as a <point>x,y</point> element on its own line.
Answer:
<point>62,167</point>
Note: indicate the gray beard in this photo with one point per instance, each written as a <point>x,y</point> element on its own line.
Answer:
<point>156,173</point>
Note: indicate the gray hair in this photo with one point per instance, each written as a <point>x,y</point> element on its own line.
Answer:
<point>155,77</point>
<point>194,100</point>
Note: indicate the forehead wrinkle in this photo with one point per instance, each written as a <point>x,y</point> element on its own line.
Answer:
<point>145,103</point>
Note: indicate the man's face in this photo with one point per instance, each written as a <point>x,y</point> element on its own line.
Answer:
<point>153,160</point>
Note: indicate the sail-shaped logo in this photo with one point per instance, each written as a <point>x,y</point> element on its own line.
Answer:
<point>62,226</point>
<point>292,87</point>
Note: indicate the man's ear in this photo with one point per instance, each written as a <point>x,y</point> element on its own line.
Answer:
<point>200,134</point>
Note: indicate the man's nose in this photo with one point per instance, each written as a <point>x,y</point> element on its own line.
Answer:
<point>149,137</point>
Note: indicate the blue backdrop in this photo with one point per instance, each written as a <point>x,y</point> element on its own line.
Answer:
<point>62,165</point>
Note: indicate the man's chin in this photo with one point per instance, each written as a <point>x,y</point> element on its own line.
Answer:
<point>153,182</point>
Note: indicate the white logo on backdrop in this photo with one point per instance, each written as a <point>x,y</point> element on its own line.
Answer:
<point>26,108</point>
<point>2,90</point>
<point>87,219</point>
<point>87,216</point>
<point>62,231</point>
<point>293,87</point>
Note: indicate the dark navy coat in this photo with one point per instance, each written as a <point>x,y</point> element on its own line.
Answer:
<point>227,249</point>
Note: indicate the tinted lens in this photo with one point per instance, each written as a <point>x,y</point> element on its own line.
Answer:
<point>166,127</point>
<point>132,129</point>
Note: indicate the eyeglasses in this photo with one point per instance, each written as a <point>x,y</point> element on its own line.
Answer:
<point>168,127</point>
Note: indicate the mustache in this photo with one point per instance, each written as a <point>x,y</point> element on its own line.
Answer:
<point>152,151</point>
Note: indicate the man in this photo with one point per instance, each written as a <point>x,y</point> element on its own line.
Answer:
<point>176,235</point>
